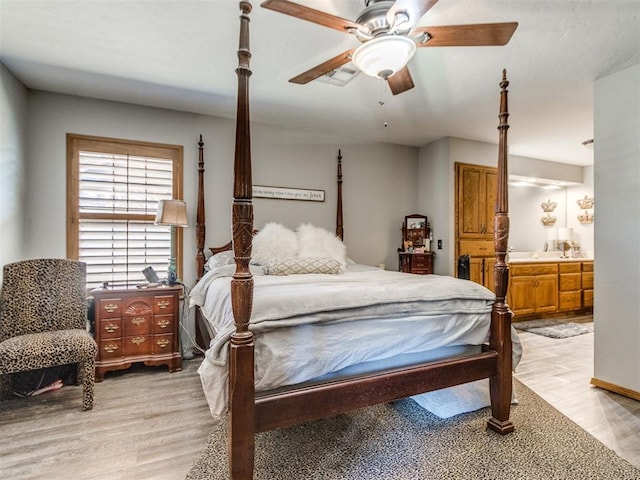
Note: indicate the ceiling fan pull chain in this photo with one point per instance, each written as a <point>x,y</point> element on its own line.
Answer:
<point>383,103</point>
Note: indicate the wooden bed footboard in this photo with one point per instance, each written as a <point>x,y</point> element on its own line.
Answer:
<point>250,413</point>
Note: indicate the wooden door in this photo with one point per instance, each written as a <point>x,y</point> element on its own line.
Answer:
<point>470,210</point>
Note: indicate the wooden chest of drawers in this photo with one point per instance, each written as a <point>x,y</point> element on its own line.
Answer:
<point>420,263</point>
<point>137,325</point>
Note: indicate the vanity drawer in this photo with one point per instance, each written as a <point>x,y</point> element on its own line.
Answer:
<point>587,280</point>
<point>587,298</point>
<point>570,281</point>
<point>570,300</point>
<point>569,267</point>
<point>534,269</point>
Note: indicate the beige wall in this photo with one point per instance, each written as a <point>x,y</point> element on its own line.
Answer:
<point>378,178</point>
<point>617,229</point>
<point>13,144</point>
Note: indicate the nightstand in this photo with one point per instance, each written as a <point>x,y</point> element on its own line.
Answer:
<point>420,263</point>
<point>137,325</point>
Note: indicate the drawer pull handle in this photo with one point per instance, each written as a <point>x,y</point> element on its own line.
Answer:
<point>164,323</point>
<point>163,342</point>
<point>162,304</point>
<point>137,340</point>
<point>110,348</point>
<point>111,327</point>
<point>137,320</point>
<point>111,307</point>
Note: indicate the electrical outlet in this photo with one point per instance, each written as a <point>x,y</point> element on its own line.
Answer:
<point>439,244</point>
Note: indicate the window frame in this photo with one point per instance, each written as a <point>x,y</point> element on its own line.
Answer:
<point>77,143</point>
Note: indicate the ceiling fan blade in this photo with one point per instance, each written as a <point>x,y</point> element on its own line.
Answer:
<point>311,15</point>
<point>480,34</point>
<point>415,9</point>
<point>326,67</point>
<point>401,81</point>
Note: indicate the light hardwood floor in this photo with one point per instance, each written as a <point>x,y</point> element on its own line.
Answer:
<point>149,424</point>
<point>560,371</point>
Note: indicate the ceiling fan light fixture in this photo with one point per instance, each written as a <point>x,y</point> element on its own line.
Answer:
<point>383,56</point>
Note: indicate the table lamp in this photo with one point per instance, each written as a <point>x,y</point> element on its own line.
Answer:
<point>173,213</point>
<point>565,237</point>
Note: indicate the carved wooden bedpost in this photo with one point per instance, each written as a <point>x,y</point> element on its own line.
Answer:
<point>339,223</point>
<point>200,217</point>
<point>241,383</point>
<point>501,383</point>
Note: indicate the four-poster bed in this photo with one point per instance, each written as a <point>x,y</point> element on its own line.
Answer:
<point>252,411</point>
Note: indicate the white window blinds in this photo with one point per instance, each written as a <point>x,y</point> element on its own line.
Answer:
<point>118,200</point>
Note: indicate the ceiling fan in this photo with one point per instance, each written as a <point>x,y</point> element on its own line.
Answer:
<point>389,37</point>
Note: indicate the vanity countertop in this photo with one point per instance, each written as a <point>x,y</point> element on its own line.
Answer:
<point>544,257</point>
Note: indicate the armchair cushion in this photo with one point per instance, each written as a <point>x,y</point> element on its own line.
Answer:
<point>46,349</point>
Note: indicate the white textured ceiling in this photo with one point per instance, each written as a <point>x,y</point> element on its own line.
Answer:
<point>182,55</point>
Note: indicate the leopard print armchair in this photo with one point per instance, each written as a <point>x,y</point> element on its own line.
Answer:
<point>43,314</point>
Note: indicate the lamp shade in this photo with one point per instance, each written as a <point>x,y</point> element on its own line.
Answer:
<point>383,56</point>
<point>172,212</point>
<point>565,234</point>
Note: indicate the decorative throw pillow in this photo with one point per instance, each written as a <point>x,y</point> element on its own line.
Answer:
<point>298,265</point>
<point>317,242</point>
<point>274,240</point>
<point>219,260</point>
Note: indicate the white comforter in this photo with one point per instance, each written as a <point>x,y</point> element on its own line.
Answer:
<point>374,314</point>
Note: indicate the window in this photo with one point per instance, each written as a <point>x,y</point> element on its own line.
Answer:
<point>113,189</point>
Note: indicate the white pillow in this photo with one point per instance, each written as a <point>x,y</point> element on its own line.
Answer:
<point>219,260</point>
<point>274,240</point>
<point>317,242</point>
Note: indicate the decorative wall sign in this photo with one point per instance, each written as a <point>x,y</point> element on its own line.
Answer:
<point>586,202</point>
<point>548,221</point>
<point>284,193</point>
<point>585,218</point>
<point>548,206</point>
